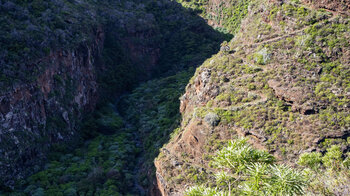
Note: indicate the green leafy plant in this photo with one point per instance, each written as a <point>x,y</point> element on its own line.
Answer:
<point>285,181</point>
<point>333,157</point>
<point>204,191</point>
<point>312,160</point>
<point>248,171</point>
<point>329,174</point>
<point>238,155</point>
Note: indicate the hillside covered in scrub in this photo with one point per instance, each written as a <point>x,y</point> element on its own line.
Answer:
<point>283,83</point>
<point>165,97</point>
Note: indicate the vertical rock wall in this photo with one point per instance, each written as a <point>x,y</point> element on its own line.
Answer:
<point>35,115</point>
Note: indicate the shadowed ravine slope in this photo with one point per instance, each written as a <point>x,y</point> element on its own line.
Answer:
<point>71,149</point>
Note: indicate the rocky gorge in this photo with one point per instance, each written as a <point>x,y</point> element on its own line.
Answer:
<point>48,88</point>
<point>108,101</point>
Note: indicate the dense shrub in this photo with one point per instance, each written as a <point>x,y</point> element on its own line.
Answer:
<point>330,172</point>
<point>312,160</point>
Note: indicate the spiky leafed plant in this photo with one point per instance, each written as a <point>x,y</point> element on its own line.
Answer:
<point>226,178</point>
<point>258,175</point>
<point>204,191</point>
<point>238,154</point>
<point>248,171</point>
<point>285,181</point>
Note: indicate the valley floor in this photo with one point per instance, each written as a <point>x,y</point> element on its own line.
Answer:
<point>119,159</point>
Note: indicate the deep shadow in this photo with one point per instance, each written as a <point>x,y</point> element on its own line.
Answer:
<point>184,41</point>
<point>161,41</point>
<point>153,107</point>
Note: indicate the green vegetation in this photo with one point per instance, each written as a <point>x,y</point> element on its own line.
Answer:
<point>104,165</point>
<point>262,57</point>
<point>329,174</point>
<point>312,160</point>
<point>184,41</point>
<point>284,81</point>
<point>244,170</point>
<point>227,15</point>
<point>107,162</point>
<point>153,108</point>
<point>32,29</point>
<point>168,39</point>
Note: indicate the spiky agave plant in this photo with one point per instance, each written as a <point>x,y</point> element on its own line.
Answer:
<point>258,176</point>
<point>238,155</point>
<point>274,180</point>
<point>285,181</point>
<point>226,179</point>
<point>248,171</point>
<point>204,191</point>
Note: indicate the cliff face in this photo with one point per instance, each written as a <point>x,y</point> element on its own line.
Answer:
<point>37,115</point>
<point>45,107</point>
<point>51,79</point>
<point>46,112</point>
<point>272,83</point>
